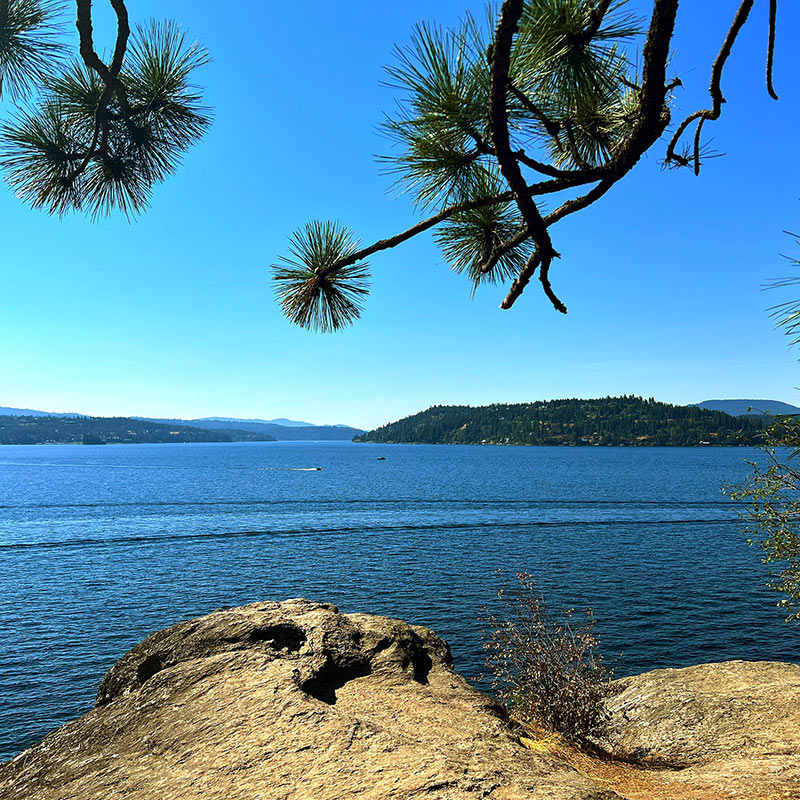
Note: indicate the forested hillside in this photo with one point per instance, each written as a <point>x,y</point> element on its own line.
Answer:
<point>102,430</point>
<point>624,420</point>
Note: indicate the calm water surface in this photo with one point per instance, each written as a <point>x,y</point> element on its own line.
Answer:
<point>100,546</point>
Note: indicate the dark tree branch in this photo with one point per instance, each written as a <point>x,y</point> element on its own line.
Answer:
<point>113,86</point>
<point>123,32</point>
<point>579,203</point>
<point>504,247</point>
<point>595,21</point>
<point>714,89</point>
<point>652,118</point>
<point>510,14</point>
<point>522,280</point>
<point>549,125</point>
<point>567,208</point>
<point>543,187</point>
<point>773,13</point>
<point>393,241</point>
<point>647,124</point>
<point>652,114</point>
<point>539,166</point>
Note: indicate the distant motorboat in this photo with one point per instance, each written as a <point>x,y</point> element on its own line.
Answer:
<point>292,469</point>
<point>381,458</point>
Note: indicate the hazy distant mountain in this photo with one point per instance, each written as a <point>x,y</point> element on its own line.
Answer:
<point>30,412</point>
<point>738,408</point>
<point>286,423</point>
<point>280,429</point>
<point>281,433</point>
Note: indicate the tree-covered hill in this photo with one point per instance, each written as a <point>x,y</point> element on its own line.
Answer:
<point>111,430</point>
<point>624,420</point>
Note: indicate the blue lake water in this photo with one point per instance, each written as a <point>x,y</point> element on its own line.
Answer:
<point>100,546</point>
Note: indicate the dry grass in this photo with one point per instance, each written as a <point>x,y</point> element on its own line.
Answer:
<point>628,780</point>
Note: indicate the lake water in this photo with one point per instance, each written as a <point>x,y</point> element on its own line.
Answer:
<point>100,546</point>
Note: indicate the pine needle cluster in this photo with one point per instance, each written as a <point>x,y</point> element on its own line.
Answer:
<point>315,290</point>
<point>90,141</point>
<point>571,99</point>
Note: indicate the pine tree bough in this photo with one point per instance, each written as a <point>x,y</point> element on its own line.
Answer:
<point>94,136</point>
<point>551,93</point>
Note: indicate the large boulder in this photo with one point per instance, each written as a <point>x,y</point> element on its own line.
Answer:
<point>296,701</point>
<point>731,728</point>
<point>289,700</point>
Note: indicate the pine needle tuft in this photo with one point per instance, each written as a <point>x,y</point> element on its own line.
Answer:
<point>314,289</point>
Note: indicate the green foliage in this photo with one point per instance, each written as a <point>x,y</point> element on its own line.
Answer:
<point>443,82</point>
<point>314,289</point>
<point>468,239</point>
<point>546,669</point>
<point>624,420</point>
<point>578,84</point>
<point>571,99</point>
<point>29,44</point>
<point>787,314</point>
<point>82,146</point>
<point>770,510</point>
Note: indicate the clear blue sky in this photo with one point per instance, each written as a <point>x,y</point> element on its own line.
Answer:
<point>173,314</point>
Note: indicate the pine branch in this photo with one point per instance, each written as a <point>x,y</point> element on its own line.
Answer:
<point>103,134</point>
<point>510,15</point>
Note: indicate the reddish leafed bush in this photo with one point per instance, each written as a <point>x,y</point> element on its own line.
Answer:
<point>546,668</point>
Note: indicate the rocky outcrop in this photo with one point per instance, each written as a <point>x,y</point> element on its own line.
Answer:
<point>294,700</point>
<point>732,728</point>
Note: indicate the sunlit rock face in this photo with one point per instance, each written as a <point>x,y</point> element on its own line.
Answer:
<point>297,700</point>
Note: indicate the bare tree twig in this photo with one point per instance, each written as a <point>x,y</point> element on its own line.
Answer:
<point>714,88</point>
<point>773,13</point>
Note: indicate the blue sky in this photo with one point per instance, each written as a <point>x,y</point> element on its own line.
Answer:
<point>173,314</point>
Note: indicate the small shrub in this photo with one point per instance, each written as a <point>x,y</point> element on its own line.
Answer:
<point>545,668</point>
<point>769,508</point>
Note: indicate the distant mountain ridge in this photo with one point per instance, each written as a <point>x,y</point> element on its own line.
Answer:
<point>281,433</point>
<point>627,420</point>
<point>31,412</point>
<point>738,408</point>
<point>79,429</point>
<point>281,429</point>
<point>286,423</point>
